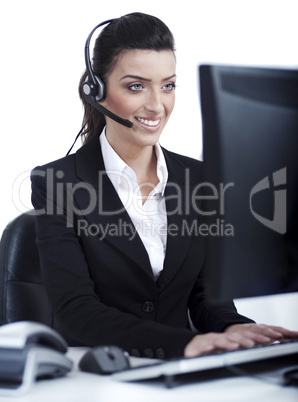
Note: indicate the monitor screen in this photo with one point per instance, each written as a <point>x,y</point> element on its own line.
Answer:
<point>250,151</point>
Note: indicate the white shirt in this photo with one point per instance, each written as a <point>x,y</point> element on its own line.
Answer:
<point>150,218</point>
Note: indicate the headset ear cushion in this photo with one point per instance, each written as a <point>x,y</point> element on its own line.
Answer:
<point>101,94</point>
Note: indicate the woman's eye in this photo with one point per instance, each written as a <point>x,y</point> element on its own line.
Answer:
<point>170,86</point>
<point>135,87</point>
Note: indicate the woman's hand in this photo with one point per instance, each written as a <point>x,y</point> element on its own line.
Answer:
<point>237,336</point>
<point>262,334</point>
<point>213,342</point>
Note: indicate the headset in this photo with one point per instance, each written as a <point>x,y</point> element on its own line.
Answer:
<point>94,88</point>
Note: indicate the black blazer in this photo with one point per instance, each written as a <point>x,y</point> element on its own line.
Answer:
<point>97,271</point>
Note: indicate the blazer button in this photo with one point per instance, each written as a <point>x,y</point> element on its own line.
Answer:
<point>148,307</point>
<point>149,353</point>
<point>135,352</point>
<point>160,353</point>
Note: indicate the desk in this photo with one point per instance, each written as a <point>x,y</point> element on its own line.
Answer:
<point>84,387</point>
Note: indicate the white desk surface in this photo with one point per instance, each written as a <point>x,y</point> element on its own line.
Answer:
<point>84,387</point>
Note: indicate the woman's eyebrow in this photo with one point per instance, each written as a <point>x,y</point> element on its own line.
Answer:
<point>137,77</point>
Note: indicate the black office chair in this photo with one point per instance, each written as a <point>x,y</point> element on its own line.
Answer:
<point>22,292</point>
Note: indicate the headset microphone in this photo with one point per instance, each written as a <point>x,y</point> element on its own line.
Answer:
<point>90,99</point>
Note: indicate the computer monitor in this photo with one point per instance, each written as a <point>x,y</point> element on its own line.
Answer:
<point>250,152</point>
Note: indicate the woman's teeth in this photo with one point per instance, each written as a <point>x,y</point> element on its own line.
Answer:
<point>151,123</point>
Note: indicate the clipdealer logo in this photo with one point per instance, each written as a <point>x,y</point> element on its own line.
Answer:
<point>279,221</point>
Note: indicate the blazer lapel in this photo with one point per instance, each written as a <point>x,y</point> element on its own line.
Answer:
<point>105,212</point>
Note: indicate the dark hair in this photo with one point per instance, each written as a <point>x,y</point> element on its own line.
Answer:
<point>129,32</point>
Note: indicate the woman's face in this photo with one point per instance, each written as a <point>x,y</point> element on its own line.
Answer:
<point>141,88</point>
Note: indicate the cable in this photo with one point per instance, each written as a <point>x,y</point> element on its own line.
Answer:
<point>80,132</point>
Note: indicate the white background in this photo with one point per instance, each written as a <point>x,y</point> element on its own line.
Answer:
<point>42,60</point>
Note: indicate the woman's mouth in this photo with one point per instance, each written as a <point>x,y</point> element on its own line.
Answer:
<point>148,123</point>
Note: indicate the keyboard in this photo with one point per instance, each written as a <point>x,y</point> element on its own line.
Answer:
<point>218,360</point>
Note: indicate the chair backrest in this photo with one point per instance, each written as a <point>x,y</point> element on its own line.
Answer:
<point>23,295</point>
<point>22,292</point>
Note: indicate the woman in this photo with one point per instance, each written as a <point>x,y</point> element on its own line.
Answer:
<point>117,259</point>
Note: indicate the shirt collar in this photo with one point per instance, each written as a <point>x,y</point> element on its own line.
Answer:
<point>115,165</point>
<point>161,169</point>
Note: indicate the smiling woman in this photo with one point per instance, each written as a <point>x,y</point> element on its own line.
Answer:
<point>117,261</point>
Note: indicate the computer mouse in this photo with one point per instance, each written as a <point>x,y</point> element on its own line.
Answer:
<point>291,377</point>
<point>104,360</point>
<point>20,334</point>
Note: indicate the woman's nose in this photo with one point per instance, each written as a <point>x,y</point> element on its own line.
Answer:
<point>154,102</point>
